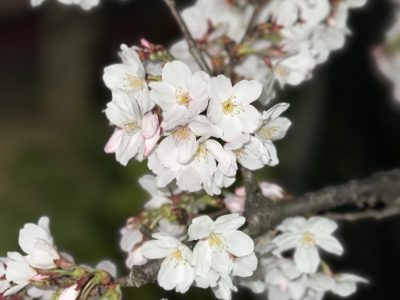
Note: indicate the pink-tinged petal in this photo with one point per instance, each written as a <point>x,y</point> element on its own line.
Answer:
<point>234,204</point>
<point>135,258</point>
<point>114,141</point>
<point>307,259</point>
<point>247,91</point>
<point>150,125</point>
<point>149,144</point>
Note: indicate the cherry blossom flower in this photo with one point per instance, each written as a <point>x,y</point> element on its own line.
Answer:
<point>137,130</point>
<point>230,108</point>
<point>37,242</point>
<point>181,94</point>
<point>176,270</point>
<point>4,284</point>
<point>131,237</point>
<point>256,151</point>
<point>18,272</point>
<point>129,75</point>
<point>294,69</point>
<point>305,236</point>
<point>218,241</point>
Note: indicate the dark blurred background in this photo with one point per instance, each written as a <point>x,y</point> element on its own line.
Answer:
<point>52,133</point>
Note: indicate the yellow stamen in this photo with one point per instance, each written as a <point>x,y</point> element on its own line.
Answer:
<point>229,106</point>
<point>181,134</point>
<point>202,151</point>
<point>215,241</point>
<point>131,127</point>
<point>183,97</point>
<point>308,239</point>
<point>267,133</point>
<point>133,82</point>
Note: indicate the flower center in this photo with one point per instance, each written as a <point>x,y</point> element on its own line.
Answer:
<point>131,127</point>
<point>176,257</point>
<point>202,151</point>
<point>230,107</point>
<point>181,134</point>
<point>215,241</point>
<point>239,153</point>
<point>133,82</point>
<point>267,133</point>
<point>308,239</point>
<point>183,97</point>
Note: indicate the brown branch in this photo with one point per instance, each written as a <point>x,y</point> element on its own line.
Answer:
<point>193,48</point>
<point>375,214</point>
<point>141,275</point>
<point>263,214</point>
<point>381,188</point>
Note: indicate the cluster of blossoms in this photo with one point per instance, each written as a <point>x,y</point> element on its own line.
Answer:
<point>220,252</point>
<point>387,56</point>
<point>289,39</point>
<point>43,272</point>
<point>193,128</point>
<point>305,276</point>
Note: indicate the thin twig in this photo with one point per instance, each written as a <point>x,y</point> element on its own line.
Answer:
<point>387,212</point>
<point>193,47</point>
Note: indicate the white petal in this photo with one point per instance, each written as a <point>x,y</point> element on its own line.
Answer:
<point>201,227</point>
<point>247,91</point>
<point>177,74</point>
<point>238,243</point>
<point>307,259</point>
<point>329,244</point>
<point>229,223</point>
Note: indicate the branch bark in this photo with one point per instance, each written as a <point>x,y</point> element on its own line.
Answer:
<point>263,214</point>
<point>193,48</point>
<point>381,188</point>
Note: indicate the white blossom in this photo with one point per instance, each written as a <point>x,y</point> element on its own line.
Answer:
<point>176,270</point>
<point>181,94</point>
<point>218,241</point>
<point>37,242</point>
<point>137,130</point>
<point>129,76</point>
<point>18,272</point>
<point>131,237</point>
<point>305,236</point>
<point>230,108</point>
